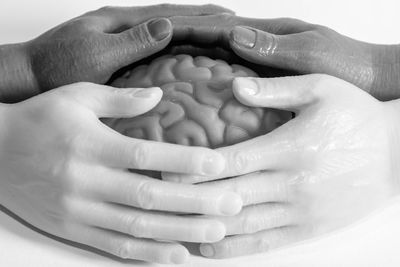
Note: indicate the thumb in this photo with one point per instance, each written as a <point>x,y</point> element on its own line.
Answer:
<point>292,93</point>
<point>142,40</point>
<point>291,51</point>
<point>107,102</point>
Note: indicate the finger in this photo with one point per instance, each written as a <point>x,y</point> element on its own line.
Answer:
<point>116,150</point>
<point>257,187</point>
<point>106,101</point>
<point>238,245</point>
<point>257,218</point>
<point>216,29</point>
<point>126,247</point>
<point>139,41</point>
<point>139,191</point>
<point>274,151</point>
<point>147,224</point>
<point>295,51</point>
<point>114,17</point>
<point>289,93</point>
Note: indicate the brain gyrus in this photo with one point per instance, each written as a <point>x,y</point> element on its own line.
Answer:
<point>198,107</point>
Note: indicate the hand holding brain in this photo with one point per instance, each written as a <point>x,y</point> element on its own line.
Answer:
<point>330,166</point>
<point>71,179</point>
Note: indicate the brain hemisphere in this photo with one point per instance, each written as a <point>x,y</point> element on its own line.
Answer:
<point>198,107</point>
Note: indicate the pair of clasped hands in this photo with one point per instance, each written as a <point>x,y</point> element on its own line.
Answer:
<point>66,173</point>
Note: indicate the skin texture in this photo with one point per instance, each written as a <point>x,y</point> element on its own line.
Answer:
<point>300,47</point>
<point>331,165</point>
<point>89,48</point>
<point>73,181</point>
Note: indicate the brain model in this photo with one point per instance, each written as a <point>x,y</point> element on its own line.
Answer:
<point>198,107</point>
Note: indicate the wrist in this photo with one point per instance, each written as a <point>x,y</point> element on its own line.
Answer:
<point>386,65</point>
<point>17,80</point>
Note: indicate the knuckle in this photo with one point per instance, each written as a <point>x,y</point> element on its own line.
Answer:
<point>106,9</point>
<point>239,162</point>
<point>210,6</point>
<point>267,44</point>
<point>123,249</point>
<point>145,195</point>
<point>226,17</point>
<point>248,225</point>
<point>263,243</point>
<point>224,249</point>
<point>166,6</point>
<point>320,28</point>
<point>138,226</point>
<point>282,192</point>
<point>272,239</point>
<point>140,35</point>
<point>140,156</point>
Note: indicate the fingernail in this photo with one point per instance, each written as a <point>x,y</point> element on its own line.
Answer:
<point>177,257</point>
<point>230,204</point>
<point>246,86</point>
<point>207,250</point>
<point>146,92</point>
<point>213,165</point>
<point>214,232</point>
<point>159,29</point>
<point>243,36</point>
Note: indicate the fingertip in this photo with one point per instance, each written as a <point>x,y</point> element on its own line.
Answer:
<point>179,255</point>
<point>147,93</point>
<point>215,232</point>
<point>243,37</point>
<point>230,204</point>
<point>207,250</point>
<point>245,89</point>
<point>213,163</point>
<point>160,28</point>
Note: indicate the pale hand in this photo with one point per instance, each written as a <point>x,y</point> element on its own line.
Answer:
<point>66,173</point>
<point>331,165</point>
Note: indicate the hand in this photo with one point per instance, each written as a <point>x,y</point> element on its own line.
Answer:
<point>66,173</point>
<point>331,165</point>
<point>298,46</point>
<point>90,48</point>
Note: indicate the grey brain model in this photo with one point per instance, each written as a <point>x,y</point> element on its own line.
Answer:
<point>198,107</point>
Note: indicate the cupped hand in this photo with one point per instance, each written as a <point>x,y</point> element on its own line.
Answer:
<point>295,45</point>
<point>333,164</point>
<point>91,47</point>
<point>66,173</point>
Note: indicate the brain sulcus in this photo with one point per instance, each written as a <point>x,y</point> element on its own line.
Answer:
<point>198,107</point>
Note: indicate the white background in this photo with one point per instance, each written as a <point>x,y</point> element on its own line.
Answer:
<point>373,242</point>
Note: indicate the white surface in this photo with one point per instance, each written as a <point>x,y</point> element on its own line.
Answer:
<point>374,242</point>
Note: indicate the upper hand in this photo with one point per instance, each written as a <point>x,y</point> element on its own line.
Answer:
<point>66,173</point>
<point>299,47</point>
<point>93,46</point>
<point>331,165</point>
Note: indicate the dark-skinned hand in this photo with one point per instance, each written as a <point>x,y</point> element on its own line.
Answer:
<point>89,48</point>
<point>299,47</point>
